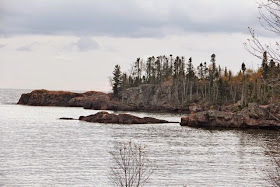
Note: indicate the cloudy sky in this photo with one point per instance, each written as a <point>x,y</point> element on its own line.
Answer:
<point>74,45</point>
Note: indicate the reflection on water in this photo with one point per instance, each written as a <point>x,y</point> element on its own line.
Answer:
<point>38,149</point>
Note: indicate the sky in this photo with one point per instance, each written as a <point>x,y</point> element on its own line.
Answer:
<point>74,45</point>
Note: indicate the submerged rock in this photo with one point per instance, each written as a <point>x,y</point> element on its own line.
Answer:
<point>66,118</point>
<point>254,116</point>
<point>105,117</point>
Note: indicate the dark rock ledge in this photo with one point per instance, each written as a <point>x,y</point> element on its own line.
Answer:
<point>253,116</point>
<point>105,117</point>
<point>91,100</point>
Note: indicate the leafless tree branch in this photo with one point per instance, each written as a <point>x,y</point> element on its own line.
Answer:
<point>130,165</point>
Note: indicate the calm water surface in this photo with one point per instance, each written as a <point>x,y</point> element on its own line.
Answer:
<point>38,149</point>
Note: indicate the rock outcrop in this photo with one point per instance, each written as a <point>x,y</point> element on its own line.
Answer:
<point>138,99</point>
<point>254,116</point>
<point>66,118</point>
<point>48,98</point>
<point>105,117</point>
<point>88,100</point>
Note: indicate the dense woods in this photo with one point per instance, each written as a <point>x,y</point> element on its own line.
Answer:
<point>208,82</point>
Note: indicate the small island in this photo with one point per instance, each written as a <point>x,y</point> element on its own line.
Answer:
<point>105,117</point>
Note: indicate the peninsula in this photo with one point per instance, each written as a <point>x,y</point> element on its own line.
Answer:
<point>209,95</point>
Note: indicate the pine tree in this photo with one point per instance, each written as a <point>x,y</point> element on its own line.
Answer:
<point>117,76</point>
<point>190,69</point>
<point>200,71</point>
<point>243,68</point>
<point>213,84</point>
<point>265,67</point>
<point>226,73</point>
<point>212,76</point>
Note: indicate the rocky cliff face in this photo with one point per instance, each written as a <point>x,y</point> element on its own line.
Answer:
<point>254,116</point>
<point>150,96</point>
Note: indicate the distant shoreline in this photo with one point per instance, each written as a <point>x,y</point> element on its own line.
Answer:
<point>253,116</point>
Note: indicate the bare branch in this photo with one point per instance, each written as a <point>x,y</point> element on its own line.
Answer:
<point>130,165</point>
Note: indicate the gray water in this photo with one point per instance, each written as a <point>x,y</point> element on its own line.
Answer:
<point>38,149</point>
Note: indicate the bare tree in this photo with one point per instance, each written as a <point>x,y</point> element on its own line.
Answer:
<point>269,11</point>
<point>130,165</point>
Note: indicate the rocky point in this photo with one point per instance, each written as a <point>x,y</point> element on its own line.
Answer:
<point>253,116</point>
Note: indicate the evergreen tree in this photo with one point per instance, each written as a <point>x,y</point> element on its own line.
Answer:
<point>212,76</point>
<point>171,65</point>
<point>265,67</point>
<point>176,67</point>
<point>226,72</point>
<point>117,76</point>
<point>149,70</point>
<point>243,68</point>
<point>158,70</point>
<point>200,71</point>
<point>190,69</point>
<point>181,84</point>
<point>138,71</point>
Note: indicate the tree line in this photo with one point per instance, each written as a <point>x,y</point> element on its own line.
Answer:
<point>207,82</point>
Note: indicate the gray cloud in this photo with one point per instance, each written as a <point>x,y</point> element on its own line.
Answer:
<point>24,48</point>
<point>2,45</point>
<point>83,44</point>
<point>28,47</point>
<point>86,44</point>
<point>129,18</point>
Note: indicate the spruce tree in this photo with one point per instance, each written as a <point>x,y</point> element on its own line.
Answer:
<point>190,69</point>
<point>117,76</point>
<point>243,68</point>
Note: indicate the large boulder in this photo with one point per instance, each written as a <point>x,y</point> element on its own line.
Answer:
<point>105,117</point>
<point>253,116</point>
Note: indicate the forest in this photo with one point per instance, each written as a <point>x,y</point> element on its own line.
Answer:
<point>208,82</point>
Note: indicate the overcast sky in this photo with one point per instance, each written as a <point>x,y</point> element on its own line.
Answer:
<point>74,45</point>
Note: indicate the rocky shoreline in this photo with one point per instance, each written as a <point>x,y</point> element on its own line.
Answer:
<point>253,116</point>
<point>90,100</point>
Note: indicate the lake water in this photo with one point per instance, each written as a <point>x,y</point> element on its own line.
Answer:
<point>38,149</point>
